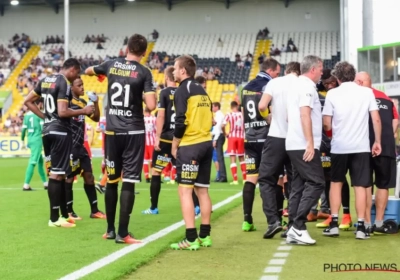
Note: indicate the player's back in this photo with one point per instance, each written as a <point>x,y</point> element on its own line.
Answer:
<point>198,117</point>
<point>256,128</point>
<point>53,89</point>
<point>166,103</point>
<point>127,82</point>
<point>78,123</point>
<point>236,126</point>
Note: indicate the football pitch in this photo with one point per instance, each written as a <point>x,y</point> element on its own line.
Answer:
<point>31,250</point>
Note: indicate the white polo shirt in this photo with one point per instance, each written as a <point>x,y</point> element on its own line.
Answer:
<point>217,128</point>
<point>278,89</point>
<point>303,93</point>
<point>350,106</point>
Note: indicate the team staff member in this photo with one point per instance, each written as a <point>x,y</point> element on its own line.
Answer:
<point>81,161</point>
<point>33,125</point>
<point>303,141</point>
<point>165,125</point>
<point>384,165</point>
<point>256,131</point>
<point>129,83</point>
<point>57,140</point>
<point>193,123</point>
<point>274,156</point>
<point>350,142</point>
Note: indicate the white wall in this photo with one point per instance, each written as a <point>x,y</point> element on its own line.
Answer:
<point>354,29</point>
<point>386,21</point>
<point>185,18</point>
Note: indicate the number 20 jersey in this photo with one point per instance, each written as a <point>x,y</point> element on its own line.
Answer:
<point>256,127</point>
<point>128,81</point>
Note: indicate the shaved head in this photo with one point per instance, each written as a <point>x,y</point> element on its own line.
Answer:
<point>363,79</point>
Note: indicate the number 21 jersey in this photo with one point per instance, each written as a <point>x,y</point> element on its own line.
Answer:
<point>128,81</point>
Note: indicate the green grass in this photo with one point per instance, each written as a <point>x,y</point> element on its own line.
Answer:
<point>30,249</point>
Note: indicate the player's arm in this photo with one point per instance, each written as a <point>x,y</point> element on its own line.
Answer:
<point>180,102</point>
<point>149,95</point>
<point>263,104</point>
<point>395,122</point>
<point>23,131</point>
<point>32,97</point>
<point>96,115</point>
<point>97,70</point>
<point>376,118</point>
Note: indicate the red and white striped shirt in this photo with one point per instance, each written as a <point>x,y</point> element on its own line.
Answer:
<point>150,126</point>
<point>236,125</point>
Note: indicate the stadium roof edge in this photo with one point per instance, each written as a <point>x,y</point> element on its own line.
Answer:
<point>376,47</point>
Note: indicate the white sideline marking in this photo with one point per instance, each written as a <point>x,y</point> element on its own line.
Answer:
<point>273,269</point>
<point>269,277</point>
<point>277,261</point>
<point>128,249</point>
<point>281,255</point>
<point>284,248</point>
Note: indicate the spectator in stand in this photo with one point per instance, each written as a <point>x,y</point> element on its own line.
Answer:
<point>87,39</point>
<point>155,34</point>
<point>121,53</point>
<point>99,46</point>
<point>126,41</point>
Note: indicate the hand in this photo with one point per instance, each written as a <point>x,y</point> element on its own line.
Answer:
<point>376,149</point>
<point>214,122</point>
<point>309,153</point>
<point>89,110</point>
<point>214,144</point>
<point>92,96</point>
<point>157,144</point>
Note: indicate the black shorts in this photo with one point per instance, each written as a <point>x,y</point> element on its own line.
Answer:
<point>253,152</point>
<point>81,162</point>
<point>193,165</point>
<point>358,165</point>
<point>57,150</point>
<point>385,172</point>
<point>163,157</point>
<point>124,157</point>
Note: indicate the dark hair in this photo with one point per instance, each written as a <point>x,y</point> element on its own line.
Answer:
<point>293,67</point>
<point>200,79</point>
<point>137,45</point>
<point>344,72</point>
<point>71,63</point>
<point>326,74</point>
<point>187,62</point>
<point>269,63</point>
<point>77,78</point>
<point>217,104</point>
<point>234,104</point>
<point>169,73</point>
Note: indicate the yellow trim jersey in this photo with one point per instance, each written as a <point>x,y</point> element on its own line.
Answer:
<point>193,113</point>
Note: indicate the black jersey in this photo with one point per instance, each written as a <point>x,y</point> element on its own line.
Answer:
<point>128,81</point>
<point>53,89</point>
<point>256,127</point>
<point>78,123</point>
<point>166,103</point>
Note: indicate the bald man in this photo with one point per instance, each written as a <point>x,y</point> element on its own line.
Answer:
<point>384,165</point>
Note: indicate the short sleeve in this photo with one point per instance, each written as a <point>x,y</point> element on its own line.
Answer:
<point>162,104</point>
<point>101,69</point>
<point>64,90</point>
<point>269,88</point>
<point>226,119</point>
<point>38,89</point>
<point>328,106</point>
<point>306,97</point>
<point>372,102</point>
<point>149,85</point>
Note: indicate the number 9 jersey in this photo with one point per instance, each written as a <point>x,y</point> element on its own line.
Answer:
<point>128,81</point>
<point>256,127</point>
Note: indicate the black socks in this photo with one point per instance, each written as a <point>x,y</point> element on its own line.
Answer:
<point>111,200</point>
<point>155,188</point>
<point>127,200</point>
<point>92,197</point>
<point>248,200</point>
<point>54,194</point>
